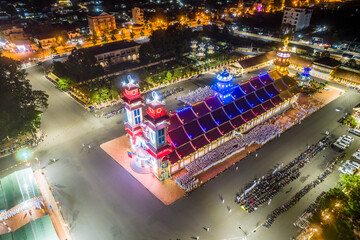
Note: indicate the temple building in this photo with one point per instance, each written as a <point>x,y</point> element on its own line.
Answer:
<point>282,61</point>
<point>165,143</point>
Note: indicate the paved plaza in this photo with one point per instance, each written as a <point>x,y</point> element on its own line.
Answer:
<point>101,200</point>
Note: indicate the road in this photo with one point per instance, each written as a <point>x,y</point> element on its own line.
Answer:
<point>101,200</point>
<point>295,43</point>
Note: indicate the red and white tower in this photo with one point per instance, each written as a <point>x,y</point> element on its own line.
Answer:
<point>133,105</point>
<point>156,122</point>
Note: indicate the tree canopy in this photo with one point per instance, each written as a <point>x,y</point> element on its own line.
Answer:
<point>21,106</point>
<point>339,211</point>
<point>78,67</point>
<point>172,42</point>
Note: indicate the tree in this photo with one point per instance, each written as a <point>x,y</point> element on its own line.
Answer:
<point>287,30</point>
<point>94,41</point>
<point>177,73</point>
<point>78,45</point>
<point>132,34</point>
<point>82,66</point>
<point>21,107</point>
<point>146,53</point>
<point>63,83</point>
<point>53,50</point>
<point>114,31</point>
<point>113,37</point>
<point>168,76</point>
<point>350,184</point>
<point>104,38</point>
<point>142,33</point>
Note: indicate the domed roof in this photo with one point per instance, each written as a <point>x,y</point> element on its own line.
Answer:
<point>224,76</point>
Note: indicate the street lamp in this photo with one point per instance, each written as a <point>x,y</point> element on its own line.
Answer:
<point>243,232</point>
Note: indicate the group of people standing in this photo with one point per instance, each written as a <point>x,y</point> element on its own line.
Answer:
<point>265,188</point>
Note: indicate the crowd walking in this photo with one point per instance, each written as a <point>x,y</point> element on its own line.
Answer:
<point>262,190</point>
<point>296,198</point>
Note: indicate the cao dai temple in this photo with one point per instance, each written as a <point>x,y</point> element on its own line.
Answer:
<point>165,143</point>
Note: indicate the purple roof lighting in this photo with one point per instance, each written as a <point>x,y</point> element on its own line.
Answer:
<point>248,115</point>
<point>256,83</point>
<point>231,110</point>
<point>193,129</point>
<point>200,142</point>
<point>277,100</point>
<point>173,157</point>
<point>219,116</point>
<point>262,94</point>
<point>237,93</point>
<point>242,104</point>
<point>186,115</point>
<point>253,99</point>
<point>185,150</point>
<point>265,78</point>
<point>213,103</point>
<point>226,128</point>
<point>268,105</point>
<point>238,121</point>
<point>258,110</point>
<point>207,122</point>
<point>200,109</point>
<point>174,122</point>
<point>271,90</point>
<point>179,137</point>
<point>213,134</point>
<point>247,88</point>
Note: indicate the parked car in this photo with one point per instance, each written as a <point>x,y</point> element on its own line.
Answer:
<point>353,163</point>
<point>354,131</point>
<point>347,168</point>
<point>338,146</point>
<point>356,155</point>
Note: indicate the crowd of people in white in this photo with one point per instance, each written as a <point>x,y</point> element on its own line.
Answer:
<point>36,203</point>
<point>200,94</point>
<point>258,135</point>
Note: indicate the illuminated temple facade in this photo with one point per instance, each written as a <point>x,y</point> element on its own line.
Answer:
<point>165,143</point>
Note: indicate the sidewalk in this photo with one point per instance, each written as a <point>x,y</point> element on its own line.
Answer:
<point>166,191</point>
<point>51,207</point>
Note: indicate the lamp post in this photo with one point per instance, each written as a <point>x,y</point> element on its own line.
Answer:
<point>243,232</point>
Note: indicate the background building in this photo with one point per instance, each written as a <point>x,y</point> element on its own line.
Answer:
<point>299,18</point>
<point>101,22</point>
<point>137,15</point>
<point>115,52</point>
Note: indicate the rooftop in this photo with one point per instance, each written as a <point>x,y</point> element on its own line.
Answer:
<point>257,60</point>
<point>17,187</point>
<point>110,47</point>
<point>197,125</point>
<point>328,62</point>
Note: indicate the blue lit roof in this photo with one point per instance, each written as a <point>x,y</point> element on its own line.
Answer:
<point>220,116</point>
<point>253,99</point>
<point>262,94</point>
<point>242,104</point>
<point>208,120</point>
<point>224,76</point>
<point>186,114</point>
<point>256,83</point>
<point>193,129</point>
